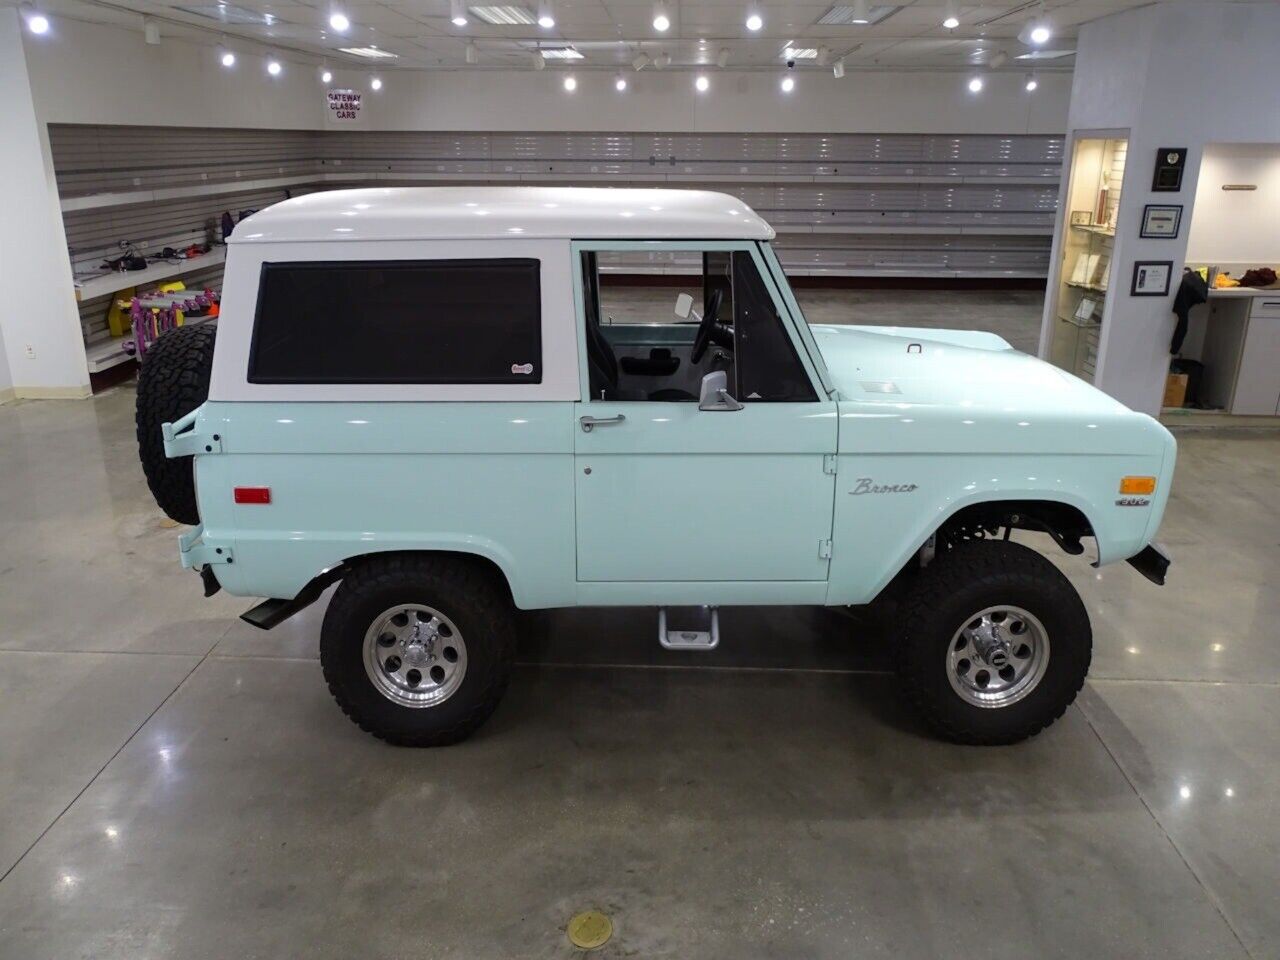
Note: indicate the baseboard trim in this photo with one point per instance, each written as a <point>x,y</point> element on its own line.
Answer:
<point>53,393</point>
<point>8,394</point>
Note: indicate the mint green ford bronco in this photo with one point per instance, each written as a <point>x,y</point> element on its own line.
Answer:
<point>459,405</point>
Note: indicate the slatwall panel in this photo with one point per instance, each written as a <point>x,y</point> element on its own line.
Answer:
<point>100,159</point>
<point>843,204</point>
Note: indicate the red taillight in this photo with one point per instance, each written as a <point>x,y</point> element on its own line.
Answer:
<point>253,494</point>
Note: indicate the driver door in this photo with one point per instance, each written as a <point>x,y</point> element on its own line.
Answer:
<point>668,492</point>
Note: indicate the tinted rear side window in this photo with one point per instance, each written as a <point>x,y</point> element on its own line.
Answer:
<point>402,321</point>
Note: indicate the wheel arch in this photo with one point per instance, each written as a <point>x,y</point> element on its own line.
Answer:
<point>1063,518</point>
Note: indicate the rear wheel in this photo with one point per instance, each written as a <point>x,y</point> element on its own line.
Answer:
<point>994,643</point>
<point>418,650</point>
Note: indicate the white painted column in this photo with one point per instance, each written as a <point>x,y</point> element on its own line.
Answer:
<point>43,347</point>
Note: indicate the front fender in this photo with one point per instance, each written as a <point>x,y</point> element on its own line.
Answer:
<point>878,526</point>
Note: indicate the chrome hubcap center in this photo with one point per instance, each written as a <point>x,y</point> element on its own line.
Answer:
<point>415,655</point>
<point>998,656</point>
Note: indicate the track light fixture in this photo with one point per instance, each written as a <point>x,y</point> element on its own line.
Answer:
<point>950,18</point>
<point>722,58</point>
<point>641,61</point>
<point>457,15</point>
<point>546,16</point>
<point>661,20</point>
<point>837,70</point>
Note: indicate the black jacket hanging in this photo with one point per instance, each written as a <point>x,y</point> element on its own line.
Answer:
<point>1193,290</point>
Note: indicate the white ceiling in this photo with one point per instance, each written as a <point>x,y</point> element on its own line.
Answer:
<point>610,33</point>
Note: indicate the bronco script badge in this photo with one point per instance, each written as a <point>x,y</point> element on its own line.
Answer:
<point>866,485</point>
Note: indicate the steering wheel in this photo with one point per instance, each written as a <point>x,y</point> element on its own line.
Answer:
<point>707,328</point>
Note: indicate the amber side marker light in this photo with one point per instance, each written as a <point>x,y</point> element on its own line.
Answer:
<point>1138,485</point>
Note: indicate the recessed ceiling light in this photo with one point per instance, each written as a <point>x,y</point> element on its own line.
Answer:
<point>546,16</point>
<point>754,22</point>
<point>505,15</point>
<point>228,58</point>
<point>325,76</point>
<point>661,22</point>
<point>620,84</point>
<point>975,85</point>
<point>370,53</point>
<point>376,83</point>
<point>570,84</point>
<point>36,21</point>
<point>950,19</point>
<point>1032,83</point>
<point>274,68</point>
<point>702,84</point>
<point>1036,32</point>
<point>339,21</point>
<point>456,16</point>
<point>560,53</point>
<point>788,83</point>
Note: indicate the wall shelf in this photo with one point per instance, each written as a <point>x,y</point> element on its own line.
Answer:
<point>110,282</point>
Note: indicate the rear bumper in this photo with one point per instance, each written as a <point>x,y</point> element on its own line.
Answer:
<point>1152,563</point>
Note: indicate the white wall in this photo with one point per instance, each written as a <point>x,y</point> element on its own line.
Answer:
<point>38,318</point>
<point>1177,74</point>
<point>89,73</point>
<point>1237,226</point>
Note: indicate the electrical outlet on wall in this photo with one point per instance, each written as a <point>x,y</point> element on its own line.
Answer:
<point>31,352</point>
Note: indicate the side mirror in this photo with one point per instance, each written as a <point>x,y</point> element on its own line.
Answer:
<point>715,393</point>
<point>684,306</point>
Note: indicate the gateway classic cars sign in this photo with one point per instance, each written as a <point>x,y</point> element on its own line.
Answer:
<point>344,105</point>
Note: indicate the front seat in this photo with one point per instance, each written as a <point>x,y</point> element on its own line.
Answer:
<point>603,366</point>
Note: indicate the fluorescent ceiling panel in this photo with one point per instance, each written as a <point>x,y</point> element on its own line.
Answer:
<point>230,13</point>
<point>505,15</point>
<point>560,53</point>
<point>1045,55</point>
<point>370,53</point>
<point>800,53</point>
<point>843,14</point>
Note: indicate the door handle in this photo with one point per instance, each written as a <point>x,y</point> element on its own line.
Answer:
<point>589,422</point>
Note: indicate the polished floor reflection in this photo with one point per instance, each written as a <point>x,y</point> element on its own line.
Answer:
<point>176,784</point>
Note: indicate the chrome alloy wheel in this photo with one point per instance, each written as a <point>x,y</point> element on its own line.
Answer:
<point>998,656</point>
<point>415,655</point>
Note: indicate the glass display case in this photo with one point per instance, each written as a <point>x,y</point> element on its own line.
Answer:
<point>1083,272</point>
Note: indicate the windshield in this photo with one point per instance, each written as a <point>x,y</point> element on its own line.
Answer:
<point>793,305</point>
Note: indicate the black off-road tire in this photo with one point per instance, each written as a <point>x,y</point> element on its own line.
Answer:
<point>959,583</point>
<point>467,593</point>
<point>173,379</point>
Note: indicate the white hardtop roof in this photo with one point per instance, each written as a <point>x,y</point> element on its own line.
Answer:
<point>454,213</point>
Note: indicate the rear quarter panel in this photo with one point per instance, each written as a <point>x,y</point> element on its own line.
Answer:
<point>346,479</point>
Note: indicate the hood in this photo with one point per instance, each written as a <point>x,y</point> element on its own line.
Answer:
<point>950,369</point>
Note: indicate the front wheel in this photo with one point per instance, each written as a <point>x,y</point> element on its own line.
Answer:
<point>995,643</point>
<point>418,650</point>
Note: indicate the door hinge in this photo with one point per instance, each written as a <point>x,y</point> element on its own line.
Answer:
<point>824,549</point>
<point>829,463</point>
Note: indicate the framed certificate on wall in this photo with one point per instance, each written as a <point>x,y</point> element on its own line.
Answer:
<point>1151,278</point>
<point>1161,221</point>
